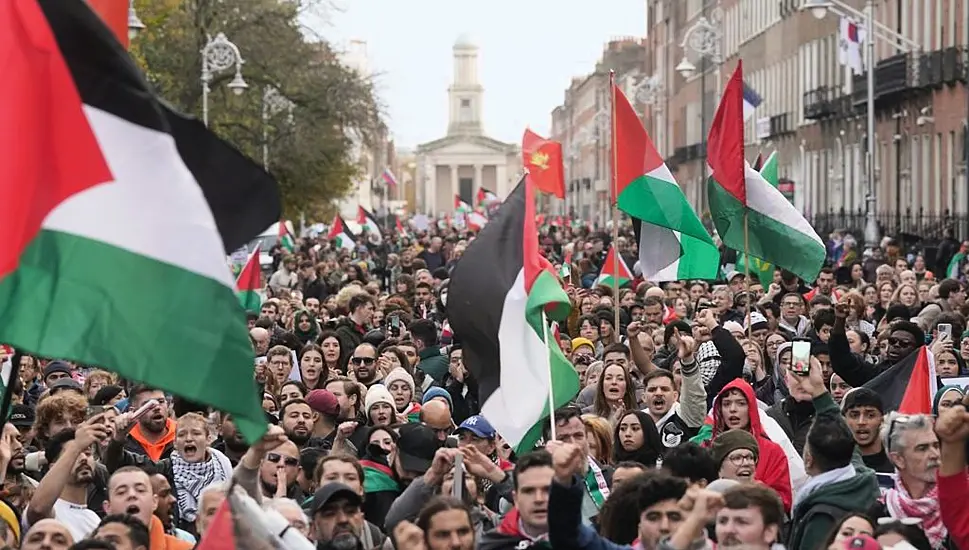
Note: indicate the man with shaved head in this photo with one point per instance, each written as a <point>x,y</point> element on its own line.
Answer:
<point>437,416</point>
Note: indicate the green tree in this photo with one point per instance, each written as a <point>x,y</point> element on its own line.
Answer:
<point>310,151</point>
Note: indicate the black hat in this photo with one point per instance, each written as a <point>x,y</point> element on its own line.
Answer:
<point>416,447</point>
<point>324,494</point>
<point>105,394</point>
<point>57,366</point>
<point>22,416</point>
<point>65,384</point>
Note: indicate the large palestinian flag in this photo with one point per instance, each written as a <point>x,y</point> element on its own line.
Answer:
<point>118,215</point>
<point>673,244</point>
<point>909,386</point>
<point>497,293</point>
<point>368,221</point>
<point>249,283</point>
<point>340,234</point>
<point>750,215</point>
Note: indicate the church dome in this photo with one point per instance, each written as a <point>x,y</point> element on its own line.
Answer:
<point>465,41</point>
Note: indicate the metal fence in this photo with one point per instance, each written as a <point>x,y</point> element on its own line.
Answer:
<point>910,225</point>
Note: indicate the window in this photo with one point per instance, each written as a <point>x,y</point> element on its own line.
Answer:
<point>908,198</point>
<point>465,103</point>
<point>925,181</point>
<point>940,185</point>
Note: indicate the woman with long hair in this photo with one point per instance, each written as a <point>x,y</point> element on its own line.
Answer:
<point>615,393</point>
<point>635,439</point>
<point>312,367</point>
<point>332,353</point>
<point>599,434</point>
<point>305,327</point>
<point>907,295</point>
<point>852,525</point>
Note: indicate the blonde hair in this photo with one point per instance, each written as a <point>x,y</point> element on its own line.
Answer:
<point>599,429</point>
<point>193,417</point>
<point>108,377</point>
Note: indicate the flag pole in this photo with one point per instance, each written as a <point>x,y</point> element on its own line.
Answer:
<point>548,367</point>
<point>747,274</point>
<point>615,204</point>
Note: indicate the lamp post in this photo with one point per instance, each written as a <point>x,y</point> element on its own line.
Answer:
<point>705,39</point>
<point>220,54</point>
<point>819,9</point>
<point>273,103</point>
<point>649,90</point>
<point>135,25</point>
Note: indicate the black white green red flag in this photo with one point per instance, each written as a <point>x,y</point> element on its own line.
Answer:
<point>118,215</point>
<point>368,221</point>
<point>340,235</point>
<point>497,293</point>
<point>286,239</point>
<point>249,283</point>
<point>614,271</point>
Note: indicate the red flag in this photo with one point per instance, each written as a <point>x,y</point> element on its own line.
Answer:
<point>725,142</point>
<point>221,533</point>
<point>51,152</point>
<point>542,159</point>
<point>114,13</point>
<point>922,385</point>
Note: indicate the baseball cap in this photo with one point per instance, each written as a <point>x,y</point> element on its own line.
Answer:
<point>416,447</point>
<point>330,491</point>
<point>323,402</point>
<point>479,426</point>
<point>22,416</point>
<point>65,384</point>
<point>733,274</point>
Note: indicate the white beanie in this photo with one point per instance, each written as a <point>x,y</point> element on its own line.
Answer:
<point>399,375</point>
<point>378,393</point>
<point>733,326</point>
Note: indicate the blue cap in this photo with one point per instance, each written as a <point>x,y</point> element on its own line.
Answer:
<point>479,426</point>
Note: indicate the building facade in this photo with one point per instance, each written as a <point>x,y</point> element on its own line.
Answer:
<point>581,124</point>
<point>814,109</point>
<point>465,159</point>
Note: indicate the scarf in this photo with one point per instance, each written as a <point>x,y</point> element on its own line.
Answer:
<point>901,505</point>
<point>595,482</point>
<point>192,477</point>
<point>827,478</point>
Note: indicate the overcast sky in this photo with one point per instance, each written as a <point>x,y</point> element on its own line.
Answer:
<point>529,51</point>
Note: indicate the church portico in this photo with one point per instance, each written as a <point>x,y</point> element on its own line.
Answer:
<point>465,160</point>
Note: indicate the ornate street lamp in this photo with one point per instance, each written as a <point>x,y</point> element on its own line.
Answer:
<point>218,55</point>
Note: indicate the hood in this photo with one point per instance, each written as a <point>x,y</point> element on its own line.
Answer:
<point>738,384</point>
<point>854,493</point>
<point>942,391</point>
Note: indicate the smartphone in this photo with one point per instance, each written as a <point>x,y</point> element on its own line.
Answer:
<point>395,322</point>
<point>946,329</point>
<point>94,410</point>
<point>801,357</point>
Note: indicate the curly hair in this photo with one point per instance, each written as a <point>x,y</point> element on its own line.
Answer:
<point>66,404</point>
<point>619,517</point>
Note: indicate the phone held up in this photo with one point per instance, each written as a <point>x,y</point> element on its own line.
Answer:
<point>801,357</point>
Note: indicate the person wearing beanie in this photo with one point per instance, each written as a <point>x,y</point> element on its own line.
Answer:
<point>379,405</point>
<point>108,395</point>
<point>578,343</point>
<point>56,370</point>
<point>401,387</point>
<point>438,393</point>
<point>758,328</point>
<point>736,454</point>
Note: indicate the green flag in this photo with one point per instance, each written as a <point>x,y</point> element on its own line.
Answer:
<point>764,271</point>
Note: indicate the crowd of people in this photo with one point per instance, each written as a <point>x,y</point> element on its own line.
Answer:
<point>696,427</point>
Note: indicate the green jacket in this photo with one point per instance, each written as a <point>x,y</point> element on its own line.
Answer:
<point>433,363</point>
<point>813,518</point>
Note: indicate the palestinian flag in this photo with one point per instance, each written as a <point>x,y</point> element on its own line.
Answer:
<point>673,244</point>
<point>952,271</point>
<point>763,270</point>
<point>909,386</point>
<point>498,291</point>
<point>739,195</point>
<point>566,270</point>
<point>378,477</point>
<point>340,235</point>
<point>475,220</point>
<point>286,239</point>
<point>486,198</point>
<point>461,207</point>
<point>610,274</point>
<point>542,159</point>
<point>249,283</point>
<point>401,232</point>
<point>369,222</point>
<point>119,212</point>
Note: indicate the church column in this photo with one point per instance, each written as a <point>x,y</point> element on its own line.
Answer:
<point>501,180</point>
<point>454,185</point>
<point>478,181</point>
<point>430,187</point>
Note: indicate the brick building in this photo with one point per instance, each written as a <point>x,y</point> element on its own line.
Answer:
<point>813,110</point>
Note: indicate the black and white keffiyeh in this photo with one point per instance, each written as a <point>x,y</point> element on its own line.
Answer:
<point>192,477</point>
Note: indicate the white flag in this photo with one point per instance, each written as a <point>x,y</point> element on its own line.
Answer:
<point>850,40</point>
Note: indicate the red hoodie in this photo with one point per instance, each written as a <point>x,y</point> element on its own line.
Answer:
<point>772,467</point>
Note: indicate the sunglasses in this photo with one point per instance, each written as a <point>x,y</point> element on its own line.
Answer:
<point>363,360</point>
<point>287,460</point>
<point>900,419</point>
<point>899,342</point>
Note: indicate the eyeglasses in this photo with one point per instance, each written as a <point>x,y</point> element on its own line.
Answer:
<point>900,419</point>
<point>892,341</point>
<point>362,360</point>
<point>287,460</point>
<point>737,460</point>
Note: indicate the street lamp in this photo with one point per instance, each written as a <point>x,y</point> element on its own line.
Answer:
<point>705,39</point>
<point>649,90</point>
<point>273,103</point>
<point>135,25</point>
<point>220,54</point>
<point>820,8</point>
